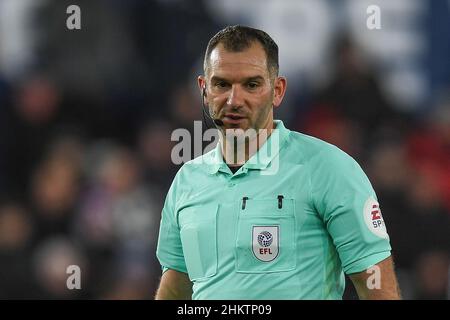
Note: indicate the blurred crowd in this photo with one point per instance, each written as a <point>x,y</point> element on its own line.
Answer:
<point>85,147</point>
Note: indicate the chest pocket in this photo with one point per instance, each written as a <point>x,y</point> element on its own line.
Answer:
<point>265,240</point>
<point>198,232</point>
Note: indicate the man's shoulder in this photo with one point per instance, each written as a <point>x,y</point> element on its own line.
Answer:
<point>191,174</point>
<point>324,159</point>
<point>200,163</point>
<point>312,149</point>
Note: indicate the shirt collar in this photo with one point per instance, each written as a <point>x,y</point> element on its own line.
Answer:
<point>261,159</point>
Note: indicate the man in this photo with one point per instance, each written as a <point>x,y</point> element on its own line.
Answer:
<point>284,225</point>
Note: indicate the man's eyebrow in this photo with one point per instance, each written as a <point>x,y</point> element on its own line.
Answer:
<point>254,78</point>
<point>249,79</point>
<point>216,78</point>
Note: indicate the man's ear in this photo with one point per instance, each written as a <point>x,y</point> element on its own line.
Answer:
<point>279,90</point>
<point>201,81</point>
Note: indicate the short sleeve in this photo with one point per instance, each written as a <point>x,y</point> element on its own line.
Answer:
<point>345,200</point>
<point>169,250</point>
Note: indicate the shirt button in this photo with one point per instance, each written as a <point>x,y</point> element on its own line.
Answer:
<point>231,184</point>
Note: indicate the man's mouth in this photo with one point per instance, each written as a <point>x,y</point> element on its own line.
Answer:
<point>233,118</point>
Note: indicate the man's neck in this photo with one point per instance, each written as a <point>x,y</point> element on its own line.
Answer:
<point>237,150</point>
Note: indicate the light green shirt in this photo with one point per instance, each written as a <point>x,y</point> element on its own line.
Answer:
<point>310,214</point>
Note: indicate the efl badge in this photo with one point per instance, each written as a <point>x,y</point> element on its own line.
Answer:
<point>265,242</point>
<point>374,219</point>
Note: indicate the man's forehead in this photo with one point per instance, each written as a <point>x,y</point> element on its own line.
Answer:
<point>253,57</point>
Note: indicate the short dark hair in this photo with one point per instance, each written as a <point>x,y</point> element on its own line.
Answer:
<point>238,38</point>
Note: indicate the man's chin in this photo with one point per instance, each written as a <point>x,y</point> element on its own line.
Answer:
<point>235,128</point>
<point>239,132</point>
<point>242,125</point>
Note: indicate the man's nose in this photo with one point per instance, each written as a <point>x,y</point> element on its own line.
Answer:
<point>235,97</point>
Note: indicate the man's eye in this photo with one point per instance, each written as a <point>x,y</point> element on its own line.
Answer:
<point>221,84</point>
<point>252,85</point>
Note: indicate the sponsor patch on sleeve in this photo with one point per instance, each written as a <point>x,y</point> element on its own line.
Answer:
<point>374,219</point>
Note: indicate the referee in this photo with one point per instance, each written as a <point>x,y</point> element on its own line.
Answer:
<point>284,219</point>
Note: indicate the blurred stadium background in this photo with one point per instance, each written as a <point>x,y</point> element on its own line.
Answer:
<point>86,118</point>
